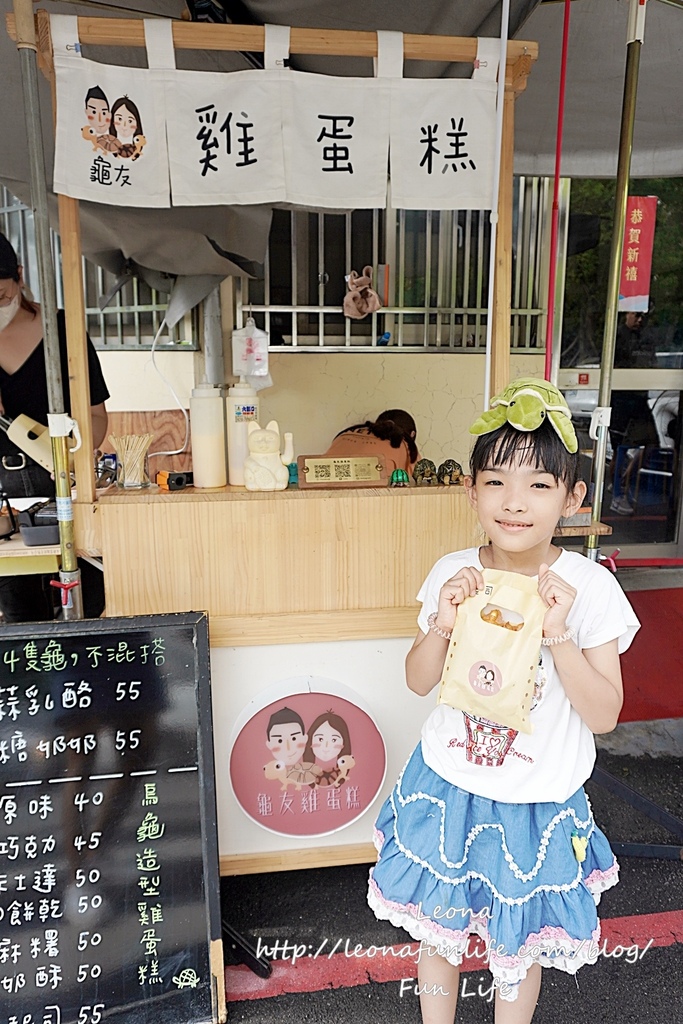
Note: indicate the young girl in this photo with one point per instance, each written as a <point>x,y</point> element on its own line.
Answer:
<point>508,850</point>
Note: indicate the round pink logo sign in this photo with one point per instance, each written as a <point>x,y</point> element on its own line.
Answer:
<point>308,764</point>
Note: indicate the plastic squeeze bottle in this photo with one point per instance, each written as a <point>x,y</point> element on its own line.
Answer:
<point>242,409</point>
<point>208,436</point>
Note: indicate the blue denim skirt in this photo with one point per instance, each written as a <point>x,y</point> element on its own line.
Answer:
<point>523,878</point>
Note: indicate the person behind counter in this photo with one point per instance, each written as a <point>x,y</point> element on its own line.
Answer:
<point>392,435</point>
<point>23,389</point>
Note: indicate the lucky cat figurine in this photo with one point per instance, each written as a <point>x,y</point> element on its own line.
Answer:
<point>265,469</point>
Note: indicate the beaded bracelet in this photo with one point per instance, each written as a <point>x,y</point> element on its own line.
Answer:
<point>431,622</point>
<point>551,641</point>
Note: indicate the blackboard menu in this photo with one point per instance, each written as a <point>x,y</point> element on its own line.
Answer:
<point>109,884</point>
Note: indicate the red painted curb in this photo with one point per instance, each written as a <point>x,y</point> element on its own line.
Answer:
<point>323,967</point>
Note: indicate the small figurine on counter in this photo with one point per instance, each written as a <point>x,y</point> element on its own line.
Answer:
<point>399,478</point>
<point>449,472</point>
<point>424,472</point>
<point>265,469</point>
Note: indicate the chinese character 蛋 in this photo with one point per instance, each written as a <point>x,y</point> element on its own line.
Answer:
<point>335,155</point>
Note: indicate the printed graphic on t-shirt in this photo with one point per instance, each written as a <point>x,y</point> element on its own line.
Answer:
<point>488,743</point>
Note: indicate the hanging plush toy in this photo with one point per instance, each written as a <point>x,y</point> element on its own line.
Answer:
<point>360,298</point>
<point>524,405</point>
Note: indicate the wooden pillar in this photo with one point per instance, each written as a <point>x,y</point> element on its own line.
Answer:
<point>74,308</point>
<point>500,351</point>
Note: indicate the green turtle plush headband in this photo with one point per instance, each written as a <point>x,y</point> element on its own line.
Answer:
<point>525,404</point>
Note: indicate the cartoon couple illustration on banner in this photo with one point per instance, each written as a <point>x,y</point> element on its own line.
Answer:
<point>116,130</point>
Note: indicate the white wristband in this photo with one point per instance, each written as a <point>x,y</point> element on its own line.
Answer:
<point>551,641</point>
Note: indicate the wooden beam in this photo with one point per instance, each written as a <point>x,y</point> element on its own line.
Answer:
<point>293,860</point>
<point>251,38</point>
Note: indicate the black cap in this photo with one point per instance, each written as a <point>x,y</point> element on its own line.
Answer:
<point>9,264</point>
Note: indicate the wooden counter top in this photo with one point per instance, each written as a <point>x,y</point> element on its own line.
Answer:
<point>118,495</point>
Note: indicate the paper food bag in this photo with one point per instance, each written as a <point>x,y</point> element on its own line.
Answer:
<point>492,659</point>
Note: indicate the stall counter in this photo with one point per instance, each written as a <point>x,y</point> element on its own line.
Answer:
<point>280,567</point>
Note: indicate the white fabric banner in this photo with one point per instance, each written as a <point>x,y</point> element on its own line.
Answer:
<point>443,143</point>
<point>225,137</point>
<point>336,140</point>
<point>110,144</point>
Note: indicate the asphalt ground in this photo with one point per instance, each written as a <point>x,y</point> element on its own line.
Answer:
<point>321,910</point>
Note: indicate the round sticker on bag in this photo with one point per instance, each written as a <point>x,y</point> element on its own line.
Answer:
<point>485,678</point>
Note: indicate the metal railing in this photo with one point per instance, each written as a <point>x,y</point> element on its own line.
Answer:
<point>431,270</point>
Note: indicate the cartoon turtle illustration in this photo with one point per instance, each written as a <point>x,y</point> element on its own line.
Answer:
<point>525,404</point>
<point>139,141</point>
<point>303,773</point>
<point>344,763</point>
<point>107,143</point>
<point>186,979</point>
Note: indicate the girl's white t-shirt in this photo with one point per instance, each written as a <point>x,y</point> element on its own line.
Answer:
<point>552,762</point>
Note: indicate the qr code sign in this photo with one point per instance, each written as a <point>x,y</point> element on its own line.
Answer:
<point>322,472</point>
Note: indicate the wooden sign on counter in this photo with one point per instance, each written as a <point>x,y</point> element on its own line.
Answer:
<point>355,471</point>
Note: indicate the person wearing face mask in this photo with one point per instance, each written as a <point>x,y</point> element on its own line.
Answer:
<point>23,389</point>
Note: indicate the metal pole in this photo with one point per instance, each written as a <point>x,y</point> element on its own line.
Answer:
<point>601,416</point>
<point>26,44</point>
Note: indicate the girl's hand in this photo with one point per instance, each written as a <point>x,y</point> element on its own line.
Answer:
<point>559,596</point>
<point>464,584</point>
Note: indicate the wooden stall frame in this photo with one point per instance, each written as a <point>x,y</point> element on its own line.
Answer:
<point>232,628</point>
<point>193,36</point>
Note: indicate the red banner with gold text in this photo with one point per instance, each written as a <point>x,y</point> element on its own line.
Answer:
<point>636,260</point>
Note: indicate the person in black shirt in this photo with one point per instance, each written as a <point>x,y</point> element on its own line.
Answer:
<point>23,389</point>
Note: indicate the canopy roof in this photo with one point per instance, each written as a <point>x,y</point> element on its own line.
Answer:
<point>225,240</point>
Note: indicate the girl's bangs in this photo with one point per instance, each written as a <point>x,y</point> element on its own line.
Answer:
<point>541,448</point>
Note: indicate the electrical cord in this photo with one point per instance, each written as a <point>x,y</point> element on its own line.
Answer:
<point>179,451</point>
